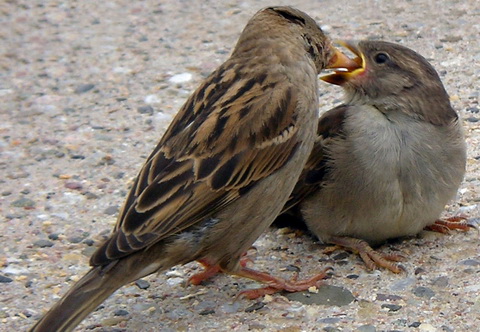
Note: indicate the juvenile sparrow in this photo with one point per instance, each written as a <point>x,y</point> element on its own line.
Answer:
<point>224,168</point>
<point>385,162</point>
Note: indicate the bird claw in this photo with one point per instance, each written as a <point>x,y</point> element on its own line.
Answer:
<point>209,272</point>
<point>444,226</point>
<point>212,270</point>
<point>372,259</point>
<point>276,285</point>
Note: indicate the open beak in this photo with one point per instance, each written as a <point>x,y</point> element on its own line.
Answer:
<point>341,61</point>
<point>347,72</point>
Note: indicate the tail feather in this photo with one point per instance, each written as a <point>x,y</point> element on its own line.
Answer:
<point>101,281</point>
<point>86,295</point>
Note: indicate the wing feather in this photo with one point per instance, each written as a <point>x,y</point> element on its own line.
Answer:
<point>230,134</point>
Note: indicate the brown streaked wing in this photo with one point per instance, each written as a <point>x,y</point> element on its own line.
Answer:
<point>207,160</point>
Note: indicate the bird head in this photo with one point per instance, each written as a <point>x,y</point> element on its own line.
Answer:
<point>393,77</point>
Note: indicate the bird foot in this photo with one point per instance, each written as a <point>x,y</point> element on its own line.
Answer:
<point>444,226</point>
<point>276,285</point>
<point>211,270</point>
<point>372,259</point>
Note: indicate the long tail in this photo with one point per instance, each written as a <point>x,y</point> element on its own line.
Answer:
<point>94,287</point>
<point>86,295</point>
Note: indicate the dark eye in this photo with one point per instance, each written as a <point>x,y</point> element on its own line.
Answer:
<point>381,58</point>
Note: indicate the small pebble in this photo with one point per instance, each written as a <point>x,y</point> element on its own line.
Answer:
<point>5,280</point>
<point>472,119</point>
<point>75,239</point>
<point>470,262</point>
<point>119,175</point>
<point>255,307</point>
<point>20,175</point>
<point>229,308</point>
<point>366,328</point>
<point>14,216</point>
<point>256,326</point>
<point>181,78</point>
<point>341,256</point>
<point>43,243</point>
<point>82,88</point>
<point>152,99</point>
<point>27,314</point>
<point>422,291</point>
<point>391,307</point>
<point>427,327</point>
<point>174,281</point>
<point>400,322</point>
<point>331,329</point>
<point>89,242</point>
<point>88,251</point>
<point>90,195</point>
<point>145,109</point>
<point>329,320</point>
<point>53,236</point>
<point>387,297</point>
<point>120,312</point>
<point>206,312</point>
<point>142,284</point>
<point>402,284</point>
<point>451,39</point>
<point>111,210</point>
<point>73,185</point>
<point>23,203</point>
<point>292,268</point>
<point>440,282</point>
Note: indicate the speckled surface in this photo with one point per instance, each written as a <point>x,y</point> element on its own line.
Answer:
<point>87,89</point>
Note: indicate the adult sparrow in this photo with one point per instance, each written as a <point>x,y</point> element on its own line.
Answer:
<point>386,161</point>
<point>223,169</point>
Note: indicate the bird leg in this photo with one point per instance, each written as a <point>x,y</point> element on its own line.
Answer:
<point>444,226</point>
<point>372,258</point>
<point>211,270</point>
<point>275,284</point>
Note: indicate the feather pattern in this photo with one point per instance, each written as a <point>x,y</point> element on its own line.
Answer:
<point>197,169</point>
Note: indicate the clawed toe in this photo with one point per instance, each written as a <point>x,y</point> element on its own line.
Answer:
<point>371,258</point>
<point>276,285</point>
<point>444,226</point>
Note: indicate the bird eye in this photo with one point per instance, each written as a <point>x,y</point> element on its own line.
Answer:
<point>381,58</point>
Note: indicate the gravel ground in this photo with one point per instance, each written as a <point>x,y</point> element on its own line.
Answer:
<point>86,90</point>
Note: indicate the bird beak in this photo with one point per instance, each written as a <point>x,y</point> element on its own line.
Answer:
<point>341,61</point>
<point>346,73</point>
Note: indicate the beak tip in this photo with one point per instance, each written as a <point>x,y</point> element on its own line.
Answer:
<point>340,60</point>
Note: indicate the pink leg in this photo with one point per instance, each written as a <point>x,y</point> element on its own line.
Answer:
<point>445,226</point>
<point>275,284</point>
<point>372,258</point>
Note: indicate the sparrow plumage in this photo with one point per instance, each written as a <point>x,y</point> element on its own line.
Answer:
<point>387,160</point>
<point>223,169</point>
